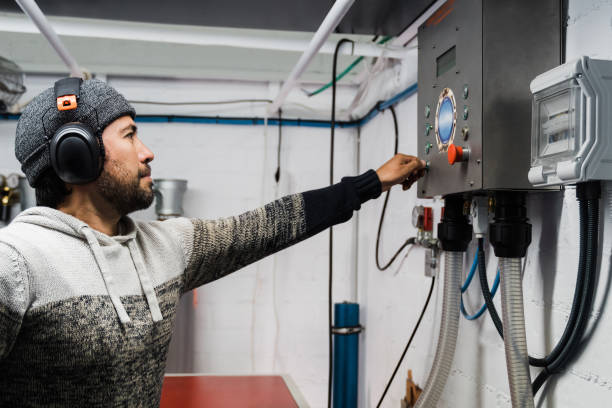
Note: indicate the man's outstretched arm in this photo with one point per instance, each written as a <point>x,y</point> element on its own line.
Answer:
<point>220,247</point>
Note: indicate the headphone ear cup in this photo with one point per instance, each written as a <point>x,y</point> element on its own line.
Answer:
<point>75,154</point>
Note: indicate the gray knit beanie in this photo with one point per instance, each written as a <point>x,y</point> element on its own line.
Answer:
<point>99,104</point>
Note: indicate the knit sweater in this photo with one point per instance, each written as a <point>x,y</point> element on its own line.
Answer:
<point>86,318</point>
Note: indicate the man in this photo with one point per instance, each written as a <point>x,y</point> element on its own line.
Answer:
<point>87,295</point>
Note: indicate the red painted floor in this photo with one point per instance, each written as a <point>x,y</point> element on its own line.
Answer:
<point>226,391</point>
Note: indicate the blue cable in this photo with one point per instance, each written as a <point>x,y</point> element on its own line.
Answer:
<point>468,280</point>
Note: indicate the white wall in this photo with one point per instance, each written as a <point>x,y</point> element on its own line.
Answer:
<point>391,300</point>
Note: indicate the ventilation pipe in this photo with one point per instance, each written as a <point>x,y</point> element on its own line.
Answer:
<point>454,233</point>
<point>329,24</point>
<point>510,235</point>
<point>38,18</point>
<point>169,197</point>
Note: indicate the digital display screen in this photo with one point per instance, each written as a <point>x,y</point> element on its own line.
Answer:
<point>446,61</point>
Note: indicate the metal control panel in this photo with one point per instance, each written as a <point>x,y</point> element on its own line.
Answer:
<point>476,61</point>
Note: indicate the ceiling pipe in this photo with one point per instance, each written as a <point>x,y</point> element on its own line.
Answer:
<point>412,31</point>
<point>329,24</point>
<point>38,18</point>
<point>191,35</point>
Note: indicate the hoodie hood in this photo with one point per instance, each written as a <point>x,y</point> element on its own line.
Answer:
<point>56,220</point>
<point>59,221</point>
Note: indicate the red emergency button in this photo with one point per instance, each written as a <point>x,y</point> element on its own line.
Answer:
<point>457,154</point>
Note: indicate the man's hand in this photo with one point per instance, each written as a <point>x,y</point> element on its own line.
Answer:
<point>401,169</point>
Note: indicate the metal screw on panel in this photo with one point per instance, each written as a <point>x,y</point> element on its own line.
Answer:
<point>457,72</point>
<point>471,182</point>
<point>478,161</point>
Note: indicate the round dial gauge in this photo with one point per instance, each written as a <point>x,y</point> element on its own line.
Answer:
<point>446,119</point>
<point>417,216</point>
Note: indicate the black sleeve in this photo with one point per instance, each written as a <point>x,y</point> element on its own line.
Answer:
<point>335,204</point>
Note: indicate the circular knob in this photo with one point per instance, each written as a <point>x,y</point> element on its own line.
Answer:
<point>457,154</point>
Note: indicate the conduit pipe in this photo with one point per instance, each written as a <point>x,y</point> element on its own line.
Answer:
<point>454,233</point>
<point>31,9</point>
<point>510,235</point>
<point>329,24</point>
<point>515,339</point>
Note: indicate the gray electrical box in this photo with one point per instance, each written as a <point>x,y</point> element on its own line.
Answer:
<point>476,61</point>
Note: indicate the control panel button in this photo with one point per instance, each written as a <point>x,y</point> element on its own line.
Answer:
<point>428,147</point>
<point>457,154</point>
<point>466,112</point>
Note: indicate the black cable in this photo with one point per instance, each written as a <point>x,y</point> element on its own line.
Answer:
<point>278,154</point>
<point>578,295</point>
<point>224,102</point>
<point>331,230</point>
<point>584,312</point>
<point>484,285</point>
<point>416,327</point>
<point>384,209</point>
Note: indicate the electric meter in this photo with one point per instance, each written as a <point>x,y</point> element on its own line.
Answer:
<point>571,139</point>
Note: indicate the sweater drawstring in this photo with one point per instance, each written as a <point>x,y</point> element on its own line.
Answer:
<point>145,281</point>
<point>106,276</point>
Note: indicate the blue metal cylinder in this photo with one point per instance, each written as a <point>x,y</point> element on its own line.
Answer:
<point>346,356</point>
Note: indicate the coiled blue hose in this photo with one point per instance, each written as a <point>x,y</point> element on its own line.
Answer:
<point>467,283</point>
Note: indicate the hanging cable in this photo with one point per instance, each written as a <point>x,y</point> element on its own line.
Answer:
<point>331,229</point>
<point>346,70</point>
<point>590,193</point>
<point>565,348</point>
<point>409,241</point>
<point>278,153</point>
<point>484,285</point>
<point>223,102</point>
<point>416,327</point>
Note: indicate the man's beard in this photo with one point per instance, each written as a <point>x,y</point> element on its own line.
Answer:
<point>123,192</point>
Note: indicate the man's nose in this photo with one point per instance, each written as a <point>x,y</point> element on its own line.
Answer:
<point>145,155</point>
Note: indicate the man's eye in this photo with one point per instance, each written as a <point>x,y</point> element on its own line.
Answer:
<point>130,135</point>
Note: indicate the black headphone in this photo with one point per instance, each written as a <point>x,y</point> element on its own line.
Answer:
<point>75,151</point>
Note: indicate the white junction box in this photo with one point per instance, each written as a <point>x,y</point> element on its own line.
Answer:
<point>571,137</point>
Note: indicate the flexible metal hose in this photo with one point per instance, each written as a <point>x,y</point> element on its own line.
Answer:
<point>515,341</point>
<point>449,327</point>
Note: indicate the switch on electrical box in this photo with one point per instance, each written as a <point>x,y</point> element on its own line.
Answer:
<point>476,60</point>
